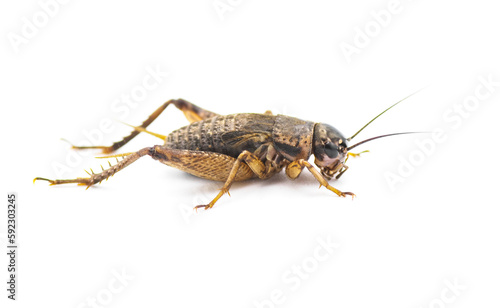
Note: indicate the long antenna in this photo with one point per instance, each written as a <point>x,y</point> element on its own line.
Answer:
<point>350,138</point>
<point>388,135</point>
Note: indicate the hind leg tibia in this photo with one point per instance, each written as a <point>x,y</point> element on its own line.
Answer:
<point>192,112</point>
<point>95,178</point>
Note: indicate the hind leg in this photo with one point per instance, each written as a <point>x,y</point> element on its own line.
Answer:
<point>192,112</point>
<point>208,165</point>
<point>95,178</point>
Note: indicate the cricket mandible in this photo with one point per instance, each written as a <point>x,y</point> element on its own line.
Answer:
<point>237,147</point>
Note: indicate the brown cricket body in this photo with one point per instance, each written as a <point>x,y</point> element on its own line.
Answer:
<point>274,140</point>
<point>236,147</point>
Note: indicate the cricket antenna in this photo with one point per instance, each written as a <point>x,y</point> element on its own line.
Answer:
<point>350,138</point>
<point>382,136</point>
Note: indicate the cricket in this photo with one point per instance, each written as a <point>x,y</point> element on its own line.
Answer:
<point>237,147</point>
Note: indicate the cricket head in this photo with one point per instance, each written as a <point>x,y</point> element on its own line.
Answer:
<point>329,149</point>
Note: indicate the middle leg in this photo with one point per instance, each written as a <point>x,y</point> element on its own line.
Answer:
<point>252,161</point>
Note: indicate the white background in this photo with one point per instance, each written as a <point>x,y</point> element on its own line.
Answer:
<point>398,247</point>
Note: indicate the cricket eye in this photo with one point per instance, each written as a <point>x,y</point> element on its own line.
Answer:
<point>331,150</point>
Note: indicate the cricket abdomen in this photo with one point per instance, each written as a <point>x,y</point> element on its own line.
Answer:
<point>229,135</point>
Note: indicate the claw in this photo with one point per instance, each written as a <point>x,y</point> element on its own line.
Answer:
<point>206,207</point>
<point>42,179</point>
<point>348,193</point>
